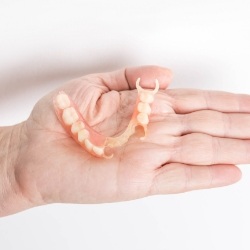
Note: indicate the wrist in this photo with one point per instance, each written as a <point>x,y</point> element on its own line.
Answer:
<point>11,197</point>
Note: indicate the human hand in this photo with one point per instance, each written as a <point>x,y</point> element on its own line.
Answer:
<point>194,139</point>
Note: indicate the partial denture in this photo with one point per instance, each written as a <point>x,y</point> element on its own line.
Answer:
<point>93,142</point>
<point>77,127</point>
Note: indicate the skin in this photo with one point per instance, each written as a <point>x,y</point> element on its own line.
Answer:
<point>194,140</point>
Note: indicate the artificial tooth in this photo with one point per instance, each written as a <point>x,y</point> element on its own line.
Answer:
<point>83,135</point>
<point>77,126</point>
<point>142,118</point>
<point>97,150</point>
<point>88,144</point>
<point>62,101</point>
<point>146,97</point>
<point>69,116</point>
<point>144,108</point>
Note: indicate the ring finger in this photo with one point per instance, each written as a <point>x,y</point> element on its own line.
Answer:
<point>202,149</point>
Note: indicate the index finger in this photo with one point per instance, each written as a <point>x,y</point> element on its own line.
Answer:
<point>190,100</point>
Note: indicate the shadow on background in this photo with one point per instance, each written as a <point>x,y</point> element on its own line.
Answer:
<point>31,73</point>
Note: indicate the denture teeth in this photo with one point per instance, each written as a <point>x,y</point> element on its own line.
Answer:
<point>77,126</point>
<point>88,144</point>
<point>69,116</point>
<point>97,150</point>
<point>142,118</point>
<point>146,97</point>
<point>73,122</point>
<point>62,101</point>
<point>83,135</point>
<point>144,108</point>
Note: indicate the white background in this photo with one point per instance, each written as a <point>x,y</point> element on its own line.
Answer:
<point>206,44</point>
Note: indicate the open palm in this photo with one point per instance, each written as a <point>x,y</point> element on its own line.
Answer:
<point>177,155</point>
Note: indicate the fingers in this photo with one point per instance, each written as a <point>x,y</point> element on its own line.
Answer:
<point>186,101</point>
<point>202,149</point>
<point>217,124</point>
<point>235,125</point>
<point>177,178</point>
<point>125,79</point>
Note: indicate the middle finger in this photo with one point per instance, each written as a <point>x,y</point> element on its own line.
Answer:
<point>214,123</point>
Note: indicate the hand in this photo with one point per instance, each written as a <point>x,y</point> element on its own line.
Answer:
<point>194,139</point>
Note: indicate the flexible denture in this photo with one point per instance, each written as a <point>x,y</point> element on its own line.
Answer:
<point>70,116</point>
<point>77,126</point>
<point>93,142</point>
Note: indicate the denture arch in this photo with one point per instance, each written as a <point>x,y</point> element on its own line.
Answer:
<point>93,142</point>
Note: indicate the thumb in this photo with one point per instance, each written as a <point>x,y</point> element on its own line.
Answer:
<point>125,79</point>
<point>148,74</point>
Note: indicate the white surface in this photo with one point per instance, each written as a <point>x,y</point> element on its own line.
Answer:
<point>206,44</point>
